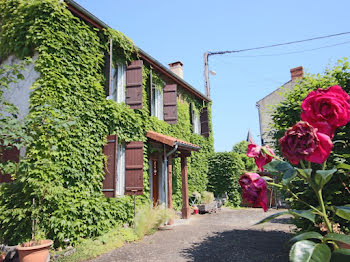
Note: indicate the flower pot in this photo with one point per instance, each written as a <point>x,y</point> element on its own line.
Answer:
<point>29,252</point>
<point>2,256</point>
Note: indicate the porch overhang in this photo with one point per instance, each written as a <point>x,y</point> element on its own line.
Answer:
<point>182,146</point>
<point>185,149</point>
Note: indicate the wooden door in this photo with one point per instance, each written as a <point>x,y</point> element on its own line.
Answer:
<point>155,181</point>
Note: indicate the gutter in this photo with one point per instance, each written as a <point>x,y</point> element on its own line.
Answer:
<point>192,148</point>
<point>172,151</point>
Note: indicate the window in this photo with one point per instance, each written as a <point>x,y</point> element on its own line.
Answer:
<point>118,83</point>
<point>120,181</point>
<point>157,102</point>
<point>196,123</point>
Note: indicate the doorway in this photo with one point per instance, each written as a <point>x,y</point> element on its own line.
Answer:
<point>155,182</point>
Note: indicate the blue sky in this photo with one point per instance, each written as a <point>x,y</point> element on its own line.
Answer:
<point>185,29</point>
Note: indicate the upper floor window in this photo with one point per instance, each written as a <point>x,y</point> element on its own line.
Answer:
<point>157,102</point>
<point>118,83</point>
<point>196,122</point>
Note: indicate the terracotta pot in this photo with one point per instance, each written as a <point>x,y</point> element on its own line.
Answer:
<point>38,253</point>
<point>2,256</point>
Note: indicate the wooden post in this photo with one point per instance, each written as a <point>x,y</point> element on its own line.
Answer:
<point>206,74</point>
<point>185,205</point>
<point>170,187</point>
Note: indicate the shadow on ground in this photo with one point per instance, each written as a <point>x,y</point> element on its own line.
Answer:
<point>242,246</point>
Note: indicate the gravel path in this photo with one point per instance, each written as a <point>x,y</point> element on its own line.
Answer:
<point>229,235</point>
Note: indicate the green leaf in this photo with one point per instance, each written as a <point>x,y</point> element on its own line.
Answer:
<point>341,255</point>
<point>305,173</point>
<point>342,211</point>
<point>267,219</point>
<point>288,176</point>
<point>338,237</point>
<point>323,176</point>
<point>308,251</point>
<point>343,166</point>
<point>306,235</point>
<point>303,213</point>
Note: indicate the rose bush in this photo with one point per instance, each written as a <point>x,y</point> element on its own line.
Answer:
<point>304,142</point>
<point>326,109</point>
<point>254,189</point>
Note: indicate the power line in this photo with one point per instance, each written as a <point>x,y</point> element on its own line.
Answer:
<point>275,45</point>
<point>297,52</point>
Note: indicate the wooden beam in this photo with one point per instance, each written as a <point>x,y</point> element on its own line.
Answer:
<point>170,187</point>
<point>185,205</point>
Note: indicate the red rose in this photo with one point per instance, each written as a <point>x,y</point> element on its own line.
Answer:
<point>261,158</point>
<point>302,141</point>
<point>254,189</point>
<point>326,109</point>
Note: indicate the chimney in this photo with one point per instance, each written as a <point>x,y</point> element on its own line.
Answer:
<point>297,73</point>
<point>176,68</point>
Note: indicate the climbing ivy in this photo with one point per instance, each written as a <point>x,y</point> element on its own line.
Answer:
<point>69,121</point>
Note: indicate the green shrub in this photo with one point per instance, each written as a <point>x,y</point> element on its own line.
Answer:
<point>224,171</point>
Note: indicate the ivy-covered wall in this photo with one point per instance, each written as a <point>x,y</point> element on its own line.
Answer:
<point>69,120</point>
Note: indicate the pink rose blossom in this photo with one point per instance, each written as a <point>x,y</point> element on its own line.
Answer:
<point>254,189</point>
<point>304,142</point>
<point>260,157</point>
<point>326,109</point>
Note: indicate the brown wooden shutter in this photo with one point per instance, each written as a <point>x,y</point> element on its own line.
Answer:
<point>110,150</point>
<point>108,69</point>
<point>11,154</point>
<point>134,84</point>
<point>170,103</point>
<point>204,122</point>
<point>134,168</point>
<point>150,91</point>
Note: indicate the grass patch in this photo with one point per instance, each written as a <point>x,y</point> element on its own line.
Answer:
<point>92,248</point>
<point>148,219</point>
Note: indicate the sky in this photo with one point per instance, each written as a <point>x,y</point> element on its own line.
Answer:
<point>183,30</point>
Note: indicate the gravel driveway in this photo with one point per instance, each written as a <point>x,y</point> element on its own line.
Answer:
<point>229,235</point>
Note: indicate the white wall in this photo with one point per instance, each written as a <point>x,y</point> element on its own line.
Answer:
<point>19,92</point>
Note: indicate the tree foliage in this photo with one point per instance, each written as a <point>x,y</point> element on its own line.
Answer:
<point>225,168</point>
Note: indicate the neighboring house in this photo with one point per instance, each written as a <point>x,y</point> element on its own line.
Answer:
<point>125,169</point>
<point>266,105</point>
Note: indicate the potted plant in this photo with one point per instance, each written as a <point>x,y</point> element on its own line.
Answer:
<point>207,203</point>
<point>2,256</point>
<point>36,250</point>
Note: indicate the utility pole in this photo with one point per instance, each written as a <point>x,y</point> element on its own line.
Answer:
<point>206,74</point>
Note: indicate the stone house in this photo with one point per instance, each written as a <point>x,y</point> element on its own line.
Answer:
<point>266,105</point>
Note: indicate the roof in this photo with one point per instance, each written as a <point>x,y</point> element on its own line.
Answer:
<point>172,141</point>
<point>286,83</point>
<point>89,17</point>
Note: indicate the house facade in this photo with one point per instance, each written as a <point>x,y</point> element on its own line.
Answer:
<point>108,121</point>
<point>266,105</point>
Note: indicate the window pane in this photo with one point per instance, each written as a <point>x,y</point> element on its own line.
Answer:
<point>121,85</point>
<point>120,186</point>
